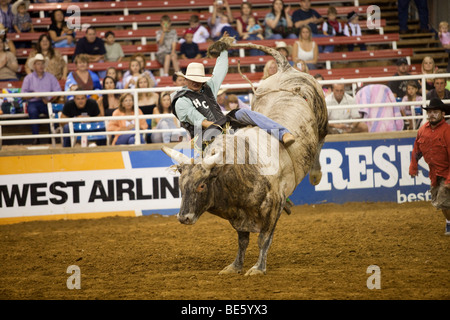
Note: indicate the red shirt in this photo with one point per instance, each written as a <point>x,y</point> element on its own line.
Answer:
<point>434,145</point>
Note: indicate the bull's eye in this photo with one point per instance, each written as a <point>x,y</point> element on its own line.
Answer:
<point>201,187</point>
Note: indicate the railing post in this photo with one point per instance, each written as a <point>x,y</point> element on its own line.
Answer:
<point>137,136</point>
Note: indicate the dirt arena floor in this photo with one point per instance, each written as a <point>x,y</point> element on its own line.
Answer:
<point>318,252</point>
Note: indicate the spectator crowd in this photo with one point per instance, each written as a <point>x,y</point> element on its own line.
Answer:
<point>45,67</point>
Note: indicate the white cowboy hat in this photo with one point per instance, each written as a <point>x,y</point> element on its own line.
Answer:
<point>17,4</point>
<point>283,45</point>
<point>195,72</point>
<point>37,57</point>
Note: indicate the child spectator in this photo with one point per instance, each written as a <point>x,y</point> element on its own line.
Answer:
<point>22,20</point>
<point>352,28</point>
<point>129,81</point>
<point>254,30</point>
<point>411,95</point>
<point>201,34</point>
<point>189,49</point>
<point>114,52</point>
<point>444,36</point>
<point>166,38</point>
<point>332,27</point>
<point>141,59</point>
<point>114,73</point>
<point>224,24</point>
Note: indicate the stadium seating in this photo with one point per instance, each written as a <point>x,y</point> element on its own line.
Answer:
<point>127,6</point>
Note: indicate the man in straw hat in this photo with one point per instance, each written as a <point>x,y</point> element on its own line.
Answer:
<point>195,105</point>
<point>433,143</point>
<point>39,81</point>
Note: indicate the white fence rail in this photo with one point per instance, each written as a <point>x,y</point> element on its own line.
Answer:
<point>353,82</point>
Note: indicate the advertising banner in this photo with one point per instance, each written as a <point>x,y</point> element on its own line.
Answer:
<point>133,183</point>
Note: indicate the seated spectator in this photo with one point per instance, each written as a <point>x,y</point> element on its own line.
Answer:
<point>126,108</point>
<point>141,58</point>
<point>285,50</point>
<point>278,22</point>
<point>114,52</point>
<point>201,34</point>
<point>56,63</point>
<point>112,72</point>
<point>305,15</point>
<point>178,81</point>
<point>130,79</point>
<point>234,102</point>
<point>222,100</point>
<point>398,88</point>
<point>270,68</point>
<point>166,39</point>
<point>147,101</point>
<point>92,46</point>
<point>189,49</point>
<point>378,93</point>
<point>326,88</point>
<point>6,15</point>
<point>39,81</point>
<point>439,90</point>
<point>428,67</point>
<point>8,44</point>
<point>222,27</point>
<point>215,21</point>
<point>22,20</point>
<point>79,107</point>
<point>107,103</point>
<point>331,26</point>
<point>82,78</point>
<point>411,95</point>
<point>8,64</point>
<point>338,97</point>
<point>242,20</point>
<point>352,28</point>
<point>164,107</point>
<point>305,49</point>
<point>62,36</point>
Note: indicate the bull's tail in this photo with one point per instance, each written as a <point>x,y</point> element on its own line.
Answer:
<point>226,43</point>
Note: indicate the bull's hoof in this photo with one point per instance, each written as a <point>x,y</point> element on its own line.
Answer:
<point>230,270</point>
<point>255,272</point>
<point>315,177</point>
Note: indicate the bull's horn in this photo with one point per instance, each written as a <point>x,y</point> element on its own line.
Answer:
<point>177,156</point>
<point>210,162</point>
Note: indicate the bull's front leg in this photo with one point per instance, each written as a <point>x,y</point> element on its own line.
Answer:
<point>236,266</point>
<point>265,240</point>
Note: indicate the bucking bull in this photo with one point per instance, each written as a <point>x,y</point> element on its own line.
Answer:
<point>251,195</point>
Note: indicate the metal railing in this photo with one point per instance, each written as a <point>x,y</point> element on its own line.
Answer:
<point>245,87</point>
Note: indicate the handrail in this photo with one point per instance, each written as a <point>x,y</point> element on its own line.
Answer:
<point>137,117</point>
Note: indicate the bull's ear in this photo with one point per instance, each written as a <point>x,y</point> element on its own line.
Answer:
<point>180,168</point>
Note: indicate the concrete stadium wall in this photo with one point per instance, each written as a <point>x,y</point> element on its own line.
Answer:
<point>137,180</point>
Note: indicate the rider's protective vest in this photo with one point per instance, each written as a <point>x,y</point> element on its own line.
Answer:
<point>205,103</point>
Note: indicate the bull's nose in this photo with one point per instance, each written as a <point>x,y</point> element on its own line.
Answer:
<point>186,218</point>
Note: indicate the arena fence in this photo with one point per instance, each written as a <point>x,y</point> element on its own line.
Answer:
<point>355,84</point>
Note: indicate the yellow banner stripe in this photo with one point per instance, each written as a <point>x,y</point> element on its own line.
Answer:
<point>73,216</point>
<point>61,163</point>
